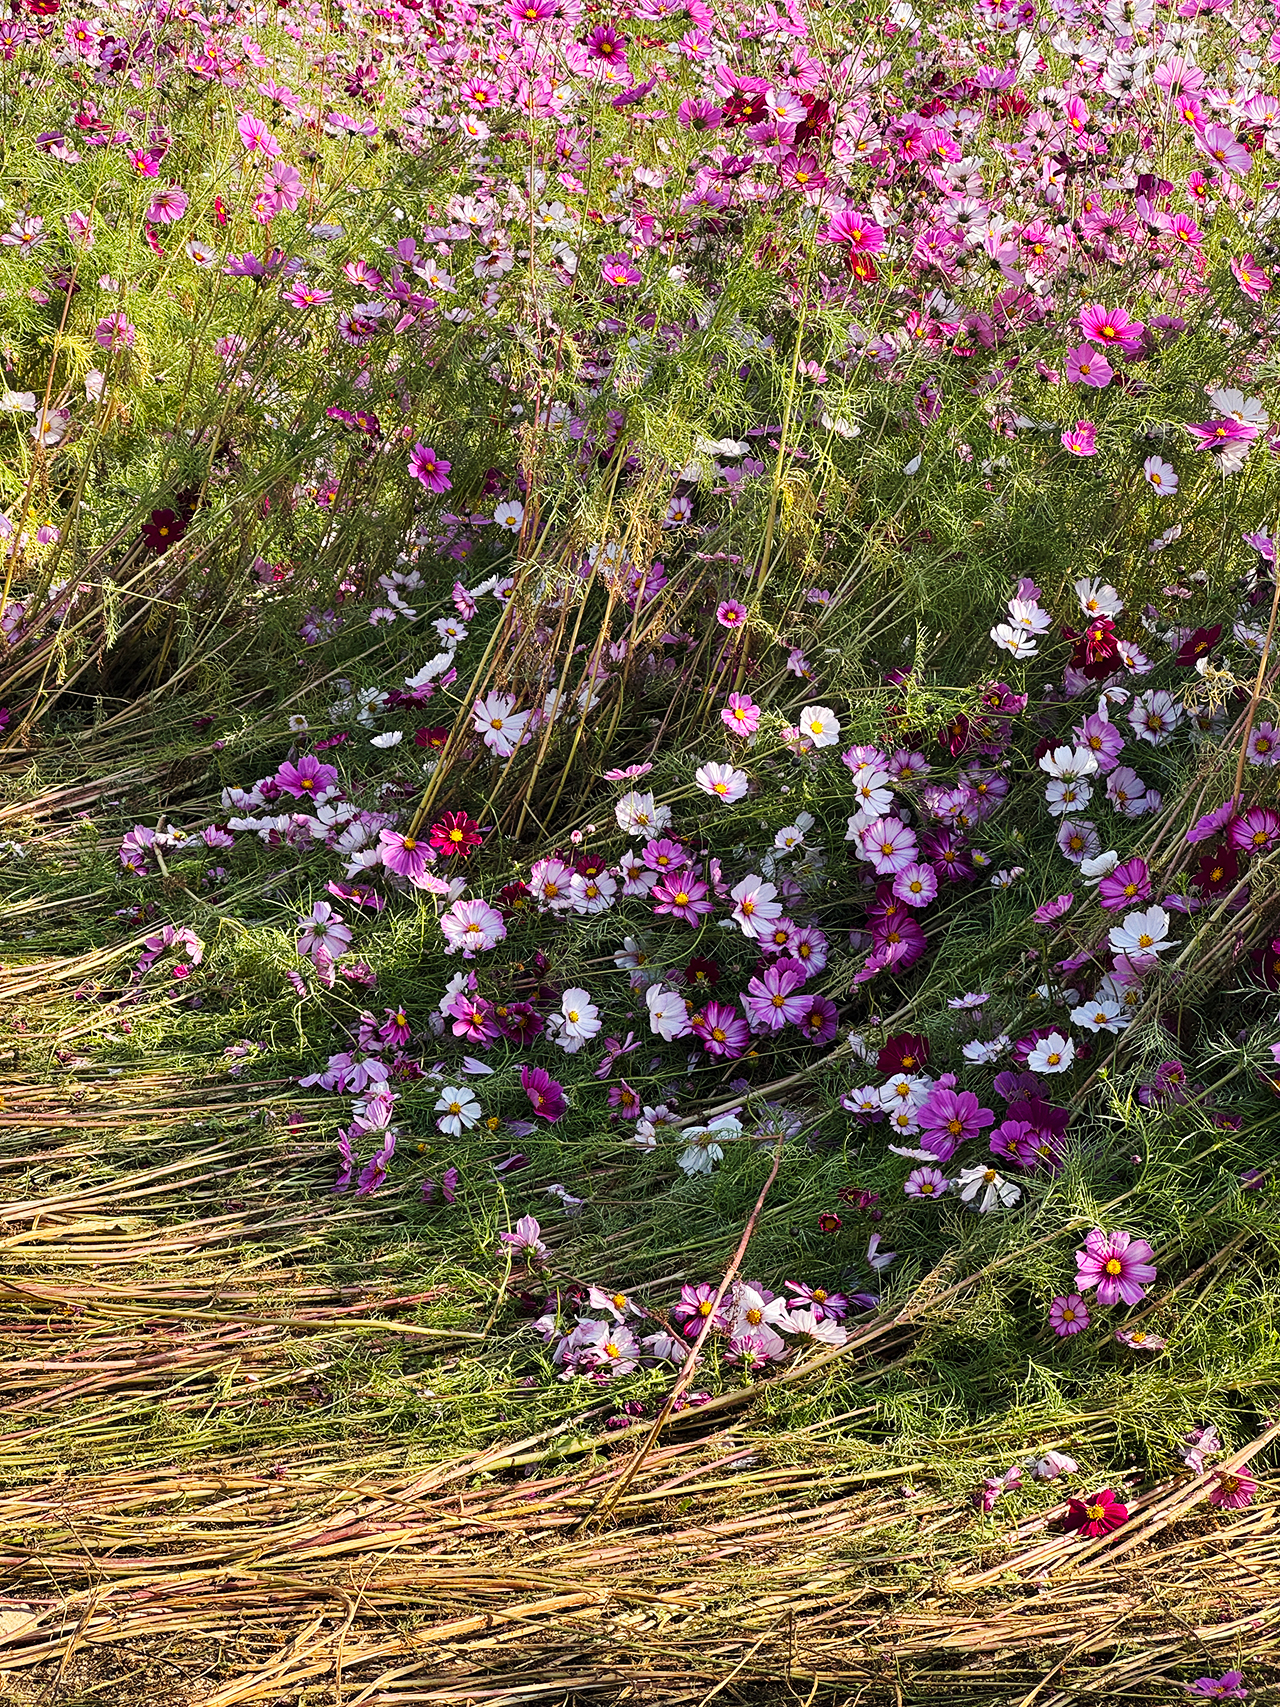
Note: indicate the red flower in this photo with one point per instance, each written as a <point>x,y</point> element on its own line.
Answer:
<point>829,1223</point>
<point>1097,1515</point>
<point>433,738</point>
<point>456,833</point>
<point>701,972</point>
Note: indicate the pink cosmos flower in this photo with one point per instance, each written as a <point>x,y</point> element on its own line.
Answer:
<point>308,779</point>
<point>430,469</point>
<point>1232,1489</point>
<point>322,933</point>
<point>472,926</point>
<point>255,136</point>
<point>926,1182</point>
<point>1228,1687</point>
<point>741,716</point>
<point>1117,1264</point>
<point>1068,1314</point>
<point>1220,145</point>
<point>770,1000</point>
<point>1081,440</point>
<point>114,333</point>
<point>1251,278</point>
<point>683,896</point>
<point>1160,476</point>
<point>722,1030</point>
<point>616,270</point>
<point>1087,366</point>
<point>731,614</point>
<point>167,205</point>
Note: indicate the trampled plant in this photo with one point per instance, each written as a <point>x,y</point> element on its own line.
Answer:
<point>757,535</point>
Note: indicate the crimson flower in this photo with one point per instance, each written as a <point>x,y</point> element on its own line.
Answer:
<point>455,834</point>
<point>162,529</point>
<point>1097,1515</point>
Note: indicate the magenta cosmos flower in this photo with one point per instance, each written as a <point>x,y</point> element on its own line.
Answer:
<point>1097,1515</point>
<point>545,1093</point>
<point>616,270</point>
<point>723,1032</point>
<point>948,1119</point>
<point>731,614</point>
<point>1117,1264</point>
<point>683,896</point>
<point>1081,440</point>
<point>430,469</point>
<point>1087,366</point>
<point>1127,886</point>
<point>1112,328</point>
<point>406,856</point>
<point>771,1000</point>
<point>114,333</point>
<point>308,779</point>
<point>1068,1314</point>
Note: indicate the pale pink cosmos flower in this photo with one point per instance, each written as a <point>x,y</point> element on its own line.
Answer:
<point>472,926</point>
<point>167,205</point>
<point>668,1013</point>
<point>722,781</point>
<point>890,845</point>
<point>323,935</point>
<point>406,856</point>
<point>1160,476</point>
<point>755,905</point>
<point>1087,366</point>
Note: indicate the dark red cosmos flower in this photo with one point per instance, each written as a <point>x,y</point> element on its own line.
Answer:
<point>905,1053</point>
<point>162,529</point>
<point>1196,645</point>
<point>513,897</point>
<point>433,738</point>
<point>455,835</point>
<point>43,8</point>
<point>701,972</point>
<point>1217,871</point>
<point>829,1222</point>
<point>1097,1515</point>
<point>744,106</point>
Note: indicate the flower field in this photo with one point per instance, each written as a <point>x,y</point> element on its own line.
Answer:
<point>641,851</point>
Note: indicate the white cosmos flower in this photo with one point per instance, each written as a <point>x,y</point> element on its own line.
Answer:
<point>1145,932</point>
<point>1100,1016</point>
<point>1094,870</point>
<point>1066,796</point>
<point>1053,1054</point>
<point>820,724</point>
<point>577,1022</point>
<point>639,815</point>
<point>1014,640</point>
<point>509,517</point>
<point>1068,764</point>
<point>985,1188</point>
<point>457,1110</point>
<point>1098,599</point>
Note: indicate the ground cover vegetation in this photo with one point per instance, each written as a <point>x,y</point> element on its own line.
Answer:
<point>637,655</point>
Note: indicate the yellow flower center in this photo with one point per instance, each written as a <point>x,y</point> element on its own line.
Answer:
<point>1114,1266</point>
